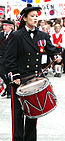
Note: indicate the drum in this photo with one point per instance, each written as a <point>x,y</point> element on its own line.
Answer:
<point>36,97</point>
<point>2,86</point>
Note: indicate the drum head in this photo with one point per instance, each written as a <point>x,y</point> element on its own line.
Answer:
<point>33,86</point>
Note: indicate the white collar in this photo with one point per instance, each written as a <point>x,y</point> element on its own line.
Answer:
<point>57,34</point>
<point>7,33</point>
<point>27,28</point>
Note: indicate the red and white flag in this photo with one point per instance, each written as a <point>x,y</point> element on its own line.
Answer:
<point>1,11</point>
<point>8,8</point>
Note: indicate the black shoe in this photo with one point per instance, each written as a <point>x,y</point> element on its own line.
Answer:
<point>63,71</point>
<point>8,96</point>
<point>59,74</point>
<point>56,75</point>
<point>3,94</point>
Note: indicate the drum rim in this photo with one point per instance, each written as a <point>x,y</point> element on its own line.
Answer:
<point>31,93</point>
<point>38,116</point>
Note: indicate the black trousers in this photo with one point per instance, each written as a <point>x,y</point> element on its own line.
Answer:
<point>64,60</point>
<point>21,131</point>
<point>8,86</point>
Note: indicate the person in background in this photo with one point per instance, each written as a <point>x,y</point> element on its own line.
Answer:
<point>1,26</point>
<point>41,23</point>
<point>8,27</point>
<point>63,27</point>
<point>50,27</point>
<point>45,56</point>
<point>63,31</point>
<point>23,60</point>
<point>45,28</point>
<point>57,39</point>
<point>59,21</point>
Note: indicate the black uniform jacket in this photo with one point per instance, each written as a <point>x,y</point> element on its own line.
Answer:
<point>3,48</point>
<point>24,54</point>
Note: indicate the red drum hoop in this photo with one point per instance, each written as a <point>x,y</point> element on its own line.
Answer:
<point>36,97</point>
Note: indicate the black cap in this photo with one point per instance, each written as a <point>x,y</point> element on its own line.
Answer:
<point>28,9</point>
<point>8,22</point>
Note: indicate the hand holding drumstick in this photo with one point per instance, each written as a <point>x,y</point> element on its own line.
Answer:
<point>57,58</point>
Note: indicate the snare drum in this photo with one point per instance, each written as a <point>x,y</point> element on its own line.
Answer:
<point>36,97</point>
<point>2,86</point>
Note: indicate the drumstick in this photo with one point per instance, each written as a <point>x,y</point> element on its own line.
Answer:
<point>39,74</point>
<point>50,64</point>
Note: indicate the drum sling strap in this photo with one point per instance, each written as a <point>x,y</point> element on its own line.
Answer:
<point>3,41</point>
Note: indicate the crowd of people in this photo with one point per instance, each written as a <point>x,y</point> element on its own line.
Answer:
<point>6,28</point>
<point>55,28</point>
<point>26,50</point>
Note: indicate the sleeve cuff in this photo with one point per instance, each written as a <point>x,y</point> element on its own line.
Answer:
<point>13,76</point>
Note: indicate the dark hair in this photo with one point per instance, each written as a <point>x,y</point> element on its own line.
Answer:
<point>39,23</point>
<point>64,22</point>
<point>58,21</point>
<point>22,22</point>
<point>50,23</point>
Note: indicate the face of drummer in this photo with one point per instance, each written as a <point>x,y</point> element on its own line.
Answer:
<point>31,19</point>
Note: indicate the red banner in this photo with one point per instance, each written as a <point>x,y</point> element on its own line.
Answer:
<point>46,0</point>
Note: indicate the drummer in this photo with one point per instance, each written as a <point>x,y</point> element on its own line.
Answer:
<point>24,59</point>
